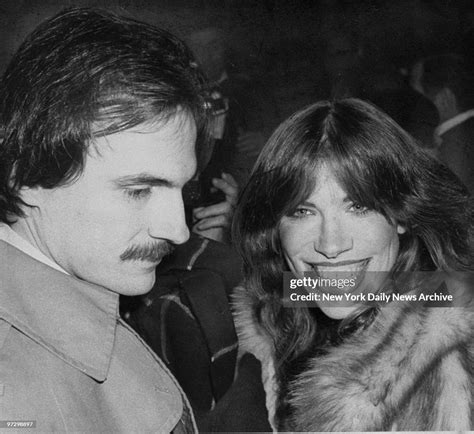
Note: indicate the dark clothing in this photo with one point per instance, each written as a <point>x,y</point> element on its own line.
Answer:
<point>415,113</point>
<point>187,321</point>
<point>251,103</point>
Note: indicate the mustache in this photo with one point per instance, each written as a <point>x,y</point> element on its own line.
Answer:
<point>151,252</point>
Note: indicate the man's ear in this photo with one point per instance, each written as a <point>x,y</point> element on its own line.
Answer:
<point>32,196</point>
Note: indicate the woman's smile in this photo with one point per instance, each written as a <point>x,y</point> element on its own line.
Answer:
<point>335,238</point>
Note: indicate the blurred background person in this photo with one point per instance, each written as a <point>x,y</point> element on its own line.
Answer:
<point>343,63</point>
<point>243,109</point>
<point>449,83</point>
<point>388,88</point>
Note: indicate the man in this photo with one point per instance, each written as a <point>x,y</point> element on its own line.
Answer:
<point>101,115</point>
<point>448,82</point>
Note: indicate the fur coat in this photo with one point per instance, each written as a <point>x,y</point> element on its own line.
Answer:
<point>411,369</point>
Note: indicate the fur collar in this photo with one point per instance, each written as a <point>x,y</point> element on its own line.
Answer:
<point>253,339</point>
<point>412,369</point>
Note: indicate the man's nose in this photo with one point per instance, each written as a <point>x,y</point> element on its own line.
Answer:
<point>333,238</point>
<point>168,221</point>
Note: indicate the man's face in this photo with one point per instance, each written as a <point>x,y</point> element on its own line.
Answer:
<point>115,223</point>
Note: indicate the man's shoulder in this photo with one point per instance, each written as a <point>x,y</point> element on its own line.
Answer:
<point>38,384</point>
<point>26,373</point>
<point>25,360</point>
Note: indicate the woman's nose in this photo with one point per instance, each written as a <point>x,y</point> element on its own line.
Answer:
<point>333,238</point>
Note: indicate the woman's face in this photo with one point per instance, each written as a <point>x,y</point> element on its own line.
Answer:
<point>336,238</point>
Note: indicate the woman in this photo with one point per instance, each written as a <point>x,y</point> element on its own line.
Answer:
<point>341,189</point>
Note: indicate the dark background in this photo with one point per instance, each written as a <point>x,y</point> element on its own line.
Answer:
<point>279,41</point>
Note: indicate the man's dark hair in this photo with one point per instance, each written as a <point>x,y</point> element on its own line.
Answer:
<point>453,72</point>
<point>83,74</point>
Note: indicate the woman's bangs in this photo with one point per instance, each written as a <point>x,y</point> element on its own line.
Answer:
<point>358,177</point>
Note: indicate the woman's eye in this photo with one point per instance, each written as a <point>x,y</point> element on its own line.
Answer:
<point>302,212</point>
<point>357,208</point>
<point>138,193</point>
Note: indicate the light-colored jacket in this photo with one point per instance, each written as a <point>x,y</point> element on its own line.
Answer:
<point>69,364</point>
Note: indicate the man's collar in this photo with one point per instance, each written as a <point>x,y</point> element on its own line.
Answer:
<point>453,122</point>
<point>11,237</point>
<point>71,318</point>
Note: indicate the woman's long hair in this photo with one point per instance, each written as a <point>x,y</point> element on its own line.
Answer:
<point>380,167</point>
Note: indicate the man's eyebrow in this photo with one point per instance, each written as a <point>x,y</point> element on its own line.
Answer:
<point>142,179</point>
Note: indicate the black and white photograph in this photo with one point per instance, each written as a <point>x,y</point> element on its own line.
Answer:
<point>236,216</point>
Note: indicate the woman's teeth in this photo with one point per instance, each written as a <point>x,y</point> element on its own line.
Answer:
<point>343,271</point>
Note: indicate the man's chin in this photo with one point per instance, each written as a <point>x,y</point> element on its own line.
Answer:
<point>136,285</point>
